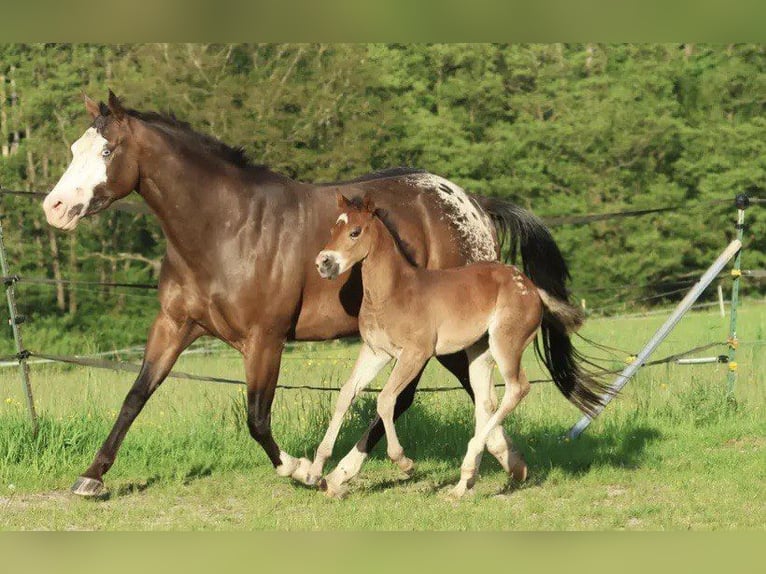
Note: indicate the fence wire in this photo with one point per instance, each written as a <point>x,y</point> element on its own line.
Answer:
<point>97,360</point>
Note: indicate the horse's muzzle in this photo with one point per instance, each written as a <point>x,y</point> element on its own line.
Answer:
<point>327,266</point>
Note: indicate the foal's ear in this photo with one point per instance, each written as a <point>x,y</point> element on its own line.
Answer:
<point>342,201</point>
<point>115,107</point>
<point>368,204</point>
<point>91,107</point>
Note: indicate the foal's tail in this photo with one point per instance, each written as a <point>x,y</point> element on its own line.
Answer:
<point>560,318</point>
<point>544,264</point>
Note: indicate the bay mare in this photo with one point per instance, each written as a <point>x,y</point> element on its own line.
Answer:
<point>410,314</point>
<point>240,247</point>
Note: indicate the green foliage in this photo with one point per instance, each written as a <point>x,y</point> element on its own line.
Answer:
<point>560,129</point>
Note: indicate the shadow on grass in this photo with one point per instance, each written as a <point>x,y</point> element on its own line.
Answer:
<point>427,434</point>
<point>196,472</point>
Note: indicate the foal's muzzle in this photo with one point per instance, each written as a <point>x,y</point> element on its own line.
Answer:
<point>327,265</point>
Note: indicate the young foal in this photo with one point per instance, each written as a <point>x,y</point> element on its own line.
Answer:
<point>411,314</point>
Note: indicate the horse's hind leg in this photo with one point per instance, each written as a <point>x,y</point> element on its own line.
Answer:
<point>499,444</point>
<point>508,358</point>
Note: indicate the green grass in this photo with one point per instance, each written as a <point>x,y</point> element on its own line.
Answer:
<point>671,453</point>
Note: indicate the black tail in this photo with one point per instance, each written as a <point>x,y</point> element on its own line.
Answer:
<point>544,264</point>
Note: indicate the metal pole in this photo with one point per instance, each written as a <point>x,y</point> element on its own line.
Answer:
<point>720,298</point>
<point>16,320</point>
<point>662,332</point>
<point>742,202</point>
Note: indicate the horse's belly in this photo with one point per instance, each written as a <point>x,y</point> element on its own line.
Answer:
<point>454,336</point>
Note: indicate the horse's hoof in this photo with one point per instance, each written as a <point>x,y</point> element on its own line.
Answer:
<point>88,487</point>
<point>301,472</point>
<point>519,472</point>
<point>406,465</point>
<point>312,480</point>
<point>459,492</point>
<point>336,491</point>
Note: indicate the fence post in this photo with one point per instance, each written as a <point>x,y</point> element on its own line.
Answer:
<point>15,321</point>
<point>623,378</point>
<point>742,201</point>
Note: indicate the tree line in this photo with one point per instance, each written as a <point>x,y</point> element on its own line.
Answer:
<point>560,129</point>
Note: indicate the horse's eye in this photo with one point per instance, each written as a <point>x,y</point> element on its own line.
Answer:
<point>106,152</point>
<point>355,233</point>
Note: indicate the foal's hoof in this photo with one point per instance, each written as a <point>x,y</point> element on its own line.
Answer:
<point>88,487</point>
<point>519,472</point>
<point>331,490</point>
<point>406,465</point>
<point>459,491</point>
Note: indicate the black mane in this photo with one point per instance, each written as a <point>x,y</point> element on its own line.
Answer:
<point>381,174</point>
<point>183,130</point>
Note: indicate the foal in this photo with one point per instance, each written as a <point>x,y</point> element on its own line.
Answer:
<point>408,313</point>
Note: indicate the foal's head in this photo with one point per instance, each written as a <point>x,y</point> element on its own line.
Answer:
<point>350,238</point>
<point>104,167</point>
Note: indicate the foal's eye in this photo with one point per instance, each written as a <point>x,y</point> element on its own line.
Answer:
<point>355,233</point>
<point>106,152</point>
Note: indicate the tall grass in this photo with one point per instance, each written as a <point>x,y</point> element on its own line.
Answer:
<point>672,421</point>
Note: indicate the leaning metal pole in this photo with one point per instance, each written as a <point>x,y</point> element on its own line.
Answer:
<point>742,202</point>
<point>15,320</point>
<point>662,332</point>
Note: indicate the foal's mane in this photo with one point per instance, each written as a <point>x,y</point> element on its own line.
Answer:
<point>181,130</point>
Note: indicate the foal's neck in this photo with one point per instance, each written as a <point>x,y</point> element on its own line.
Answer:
<point>384,267</point>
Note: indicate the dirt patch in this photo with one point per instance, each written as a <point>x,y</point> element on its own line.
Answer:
<point>747,443</point>
<point>614,490</point>
<point>22,501</point>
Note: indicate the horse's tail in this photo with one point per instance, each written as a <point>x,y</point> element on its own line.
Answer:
<point>545,265</point>
<point>541,257</point>
<point>586,391</point>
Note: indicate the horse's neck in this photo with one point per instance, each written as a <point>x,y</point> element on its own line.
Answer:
<point>185,196</point>
<point>384,268</point>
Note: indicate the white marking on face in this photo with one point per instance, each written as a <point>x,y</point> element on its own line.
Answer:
<point>86,171</point>
<point>471,222</point>
<point>343,217</point>
<point>335,257</point>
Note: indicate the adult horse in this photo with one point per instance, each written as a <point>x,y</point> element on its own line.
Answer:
<point>241,242</point>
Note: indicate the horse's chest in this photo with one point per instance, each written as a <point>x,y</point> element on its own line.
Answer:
<point>377,331</point>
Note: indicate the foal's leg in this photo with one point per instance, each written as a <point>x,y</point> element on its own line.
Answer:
<point>263,353</point>
<point>409,364</point>
<point>508,358</point>
<point>499,443</point>
<point>351,464</point>
<point>167,339</point>
<point>367,366</point>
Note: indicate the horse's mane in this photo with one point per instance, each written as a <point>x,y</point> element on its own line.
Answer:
<point>183,131</point>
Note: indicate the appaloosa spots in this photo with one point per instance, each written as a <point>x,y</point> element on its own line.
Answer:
<point>471,222</point>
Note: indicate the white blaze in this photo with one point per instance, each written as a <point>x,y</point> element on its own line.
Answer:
<point>87,170</point>
<point>342,217</point>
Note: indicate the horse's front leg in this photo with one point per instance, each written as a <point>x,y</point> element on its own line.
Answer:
<point>262,357</point>
<point>408,368</point>
<point>167,339</point>
<point>368,365</point>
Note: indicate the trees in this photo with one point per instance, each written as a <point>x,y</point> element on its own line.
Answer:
<point>561,129</point>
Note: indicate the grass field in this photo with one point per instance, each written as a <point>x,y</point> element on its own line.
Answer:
<point>671,453</point>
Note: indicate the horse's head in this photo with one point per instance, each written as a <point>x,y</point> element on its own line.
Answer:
<point>350,238</point>
<point>104,167</point>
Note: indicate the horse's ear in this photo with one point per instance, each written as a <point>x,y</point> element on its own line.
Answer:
<point>91,107</point>
<point>115,107</point>
<point>368,204</point>
<point>342,201</point>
